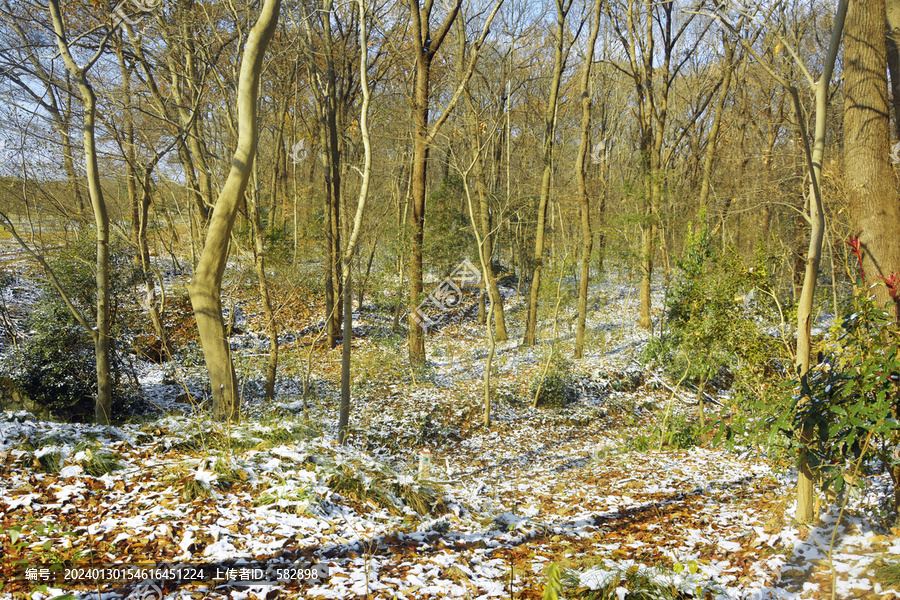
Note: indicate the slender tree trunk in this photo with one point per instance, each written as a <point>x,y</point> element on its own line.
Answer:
<point>562,10</point>
<point>353,237</point>
<point>711,145</point>
<point>583,200</point>
<point>814,156</point>
<point>259,264</point>
<point>333,177</point>
<point>62,122</point>
<point>484,222</point>
<point>155,300</point>
<point>402,212</point>
<point>100,333</point>
<point>206,284</point>
<point>893,57</point>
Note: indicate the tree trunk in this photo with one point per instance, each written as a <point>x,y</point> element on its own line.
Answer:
<point>205,286</point>
<point>728,68</point>
<point>873,198</point>
<point>583,200</point>
<point>259,264</point>
<point>352,238</point>
<point>562,9</point>
<point>484,223</point>
<point>814,157</point>
<point>893,56</point>
<point>100,332</point>
<point>419,175</point>
<point>425,47</point>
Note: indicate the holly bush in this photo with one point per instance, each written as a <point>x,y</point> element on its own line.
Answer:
<point>55,365</point>
<point>850,400</point>
<point>712,332</point>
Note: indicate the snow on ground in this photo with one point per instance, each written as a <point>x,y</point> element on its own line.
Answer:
<point>538,486</point>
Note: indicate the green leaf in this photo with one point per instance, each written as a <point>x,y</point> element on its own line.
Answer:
<point>554,583</point>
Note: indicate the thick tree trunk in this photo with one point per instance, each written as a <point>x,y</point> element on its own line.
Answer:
<point>205,286</point>
<point>426,46</point>
<point>872,191</point>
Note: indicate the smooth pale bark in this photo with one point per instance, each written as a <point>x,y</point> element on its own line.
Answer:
<point>206,284</point>
<point>562,9</point>
<point>583,200</point>
<point>815,155</point>
<point>353,238</point>
<point>100,332</point>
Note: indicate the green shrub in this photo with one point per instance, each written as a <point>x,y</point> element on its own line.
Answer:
<point>556,389</point>
<point>851,399</point>
<point>681,433</point>
<point>627,580</point>
<point>448,235</point>
<point>711,334</point>
<point>55,365</point>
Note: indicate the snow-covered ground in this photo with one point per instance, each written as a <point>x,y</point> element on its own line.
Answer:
<point>536,487</point>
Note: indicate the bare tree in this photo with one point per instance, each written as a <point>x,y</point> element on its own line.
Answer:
<point>25,68</point>
<point>583,200</point>
<point>561,52</point>
<point>352,239</point>
<point>206,284</point>
<point>640,26</point>
<point>100,332</point>
<point>425,46</point>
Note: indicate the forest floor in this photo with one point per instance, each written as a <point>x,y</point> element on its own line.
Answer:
<point>579,486</point>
